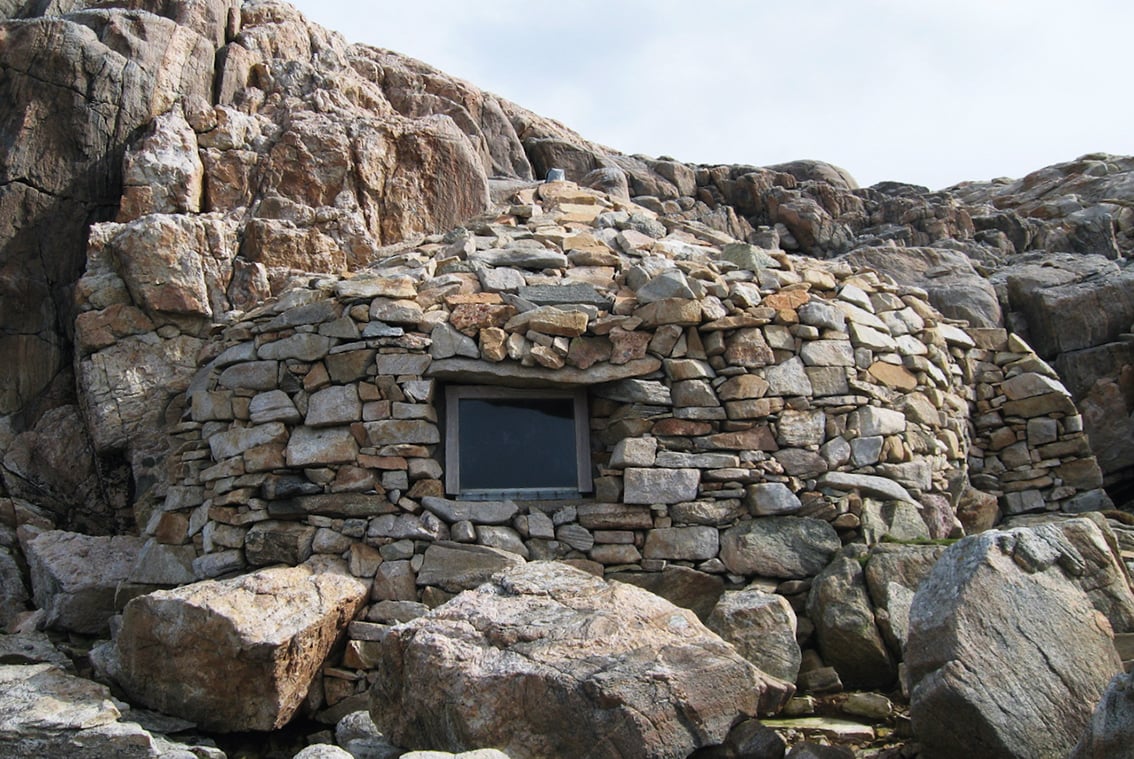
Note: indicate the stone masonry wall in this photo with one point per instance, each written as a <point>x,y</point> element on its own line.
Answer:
<point>749,411</point>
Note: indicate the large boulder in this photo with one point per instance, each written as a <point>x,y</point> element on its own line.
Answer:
<point>455,567</point>
<point>845,626</point>
<point>762,626</point>
<point>1070,302</point>
<point>893,573</point>
<point>13,590</point>
<point>787,547</point>
<point>547,660</point>
<point>1110,732</point>
<point>681,586</point>
<point>75,578</point>
<point>948,277</point>
<point>235,654</point>
<point>1006,653</point>
<point>47,712</point>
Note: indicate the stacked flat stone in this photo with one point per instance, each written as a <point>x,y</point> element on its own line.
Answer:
<point>1028,445</point>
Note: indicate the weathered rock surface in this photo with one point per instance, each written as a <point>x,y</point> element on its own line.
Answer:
<point>954,286</point>
<point>14,594</point>
<point>1006,654</point>
<point>234,654</point>
<point>54,465</point>
<point>95,81</point>
<point>1110,732</point>
<point>75,578</point>
<point>611,666</point>
<point>762,626</point>
<point>47,712</point>
<point>893,573</point>
<point>846,628</point>
<point>779,547</point>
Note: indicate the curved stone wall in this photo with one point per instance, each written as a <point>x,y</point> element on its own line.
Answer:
<point>749,411</point>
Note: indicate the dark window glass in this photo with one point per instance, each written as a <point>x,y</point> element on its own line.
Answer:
<point>517,443</point>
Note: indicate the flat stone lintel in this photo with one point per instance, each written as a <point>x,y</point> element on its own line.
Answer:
<point>515,375</point>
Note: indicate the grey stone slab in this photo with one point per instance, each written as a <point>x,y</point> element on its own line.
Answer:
<point>578,293</point>
<point>477,512</point>
<point>647,486</point>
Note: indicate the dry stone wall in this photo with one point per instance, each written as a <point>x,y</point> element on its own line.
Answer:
<point>749,411</point>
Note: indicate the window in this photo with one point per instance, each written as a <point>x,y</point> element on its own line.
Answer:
<point>511,443</point>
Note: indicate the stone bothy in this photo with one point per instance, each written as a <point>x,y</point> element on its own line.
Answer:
<point>642,396</point>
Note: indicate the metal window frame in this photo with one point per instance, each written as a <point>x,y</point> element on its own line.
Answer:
<point>453,396</point>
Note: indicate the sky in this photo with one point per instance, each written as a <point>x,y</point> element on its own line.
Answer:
<point>923,91</point>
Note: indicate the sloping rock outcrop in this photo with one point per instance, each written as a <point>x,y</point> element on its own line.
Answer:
<point>629,673</point>
<point>232,655</point>
<point>47,712</point>
<point>1013,597</point>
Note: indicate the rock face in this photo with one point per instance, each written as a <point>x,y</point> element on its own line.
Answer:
<point>762,626</point>
<point>236,654</point>
<point>845,626</point>
<point>953,285</point>
<point>76,578</point>
<point>1007,597</point>
<point>615,671</point>
<point>1111,729</point>
<point>13,592</point>
<point>96,80</point>
<point>99,76</point>
<point>47,712</point>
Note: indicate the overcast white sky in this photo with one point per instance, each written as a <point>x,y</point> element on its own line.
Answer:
<point>925,91</point>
